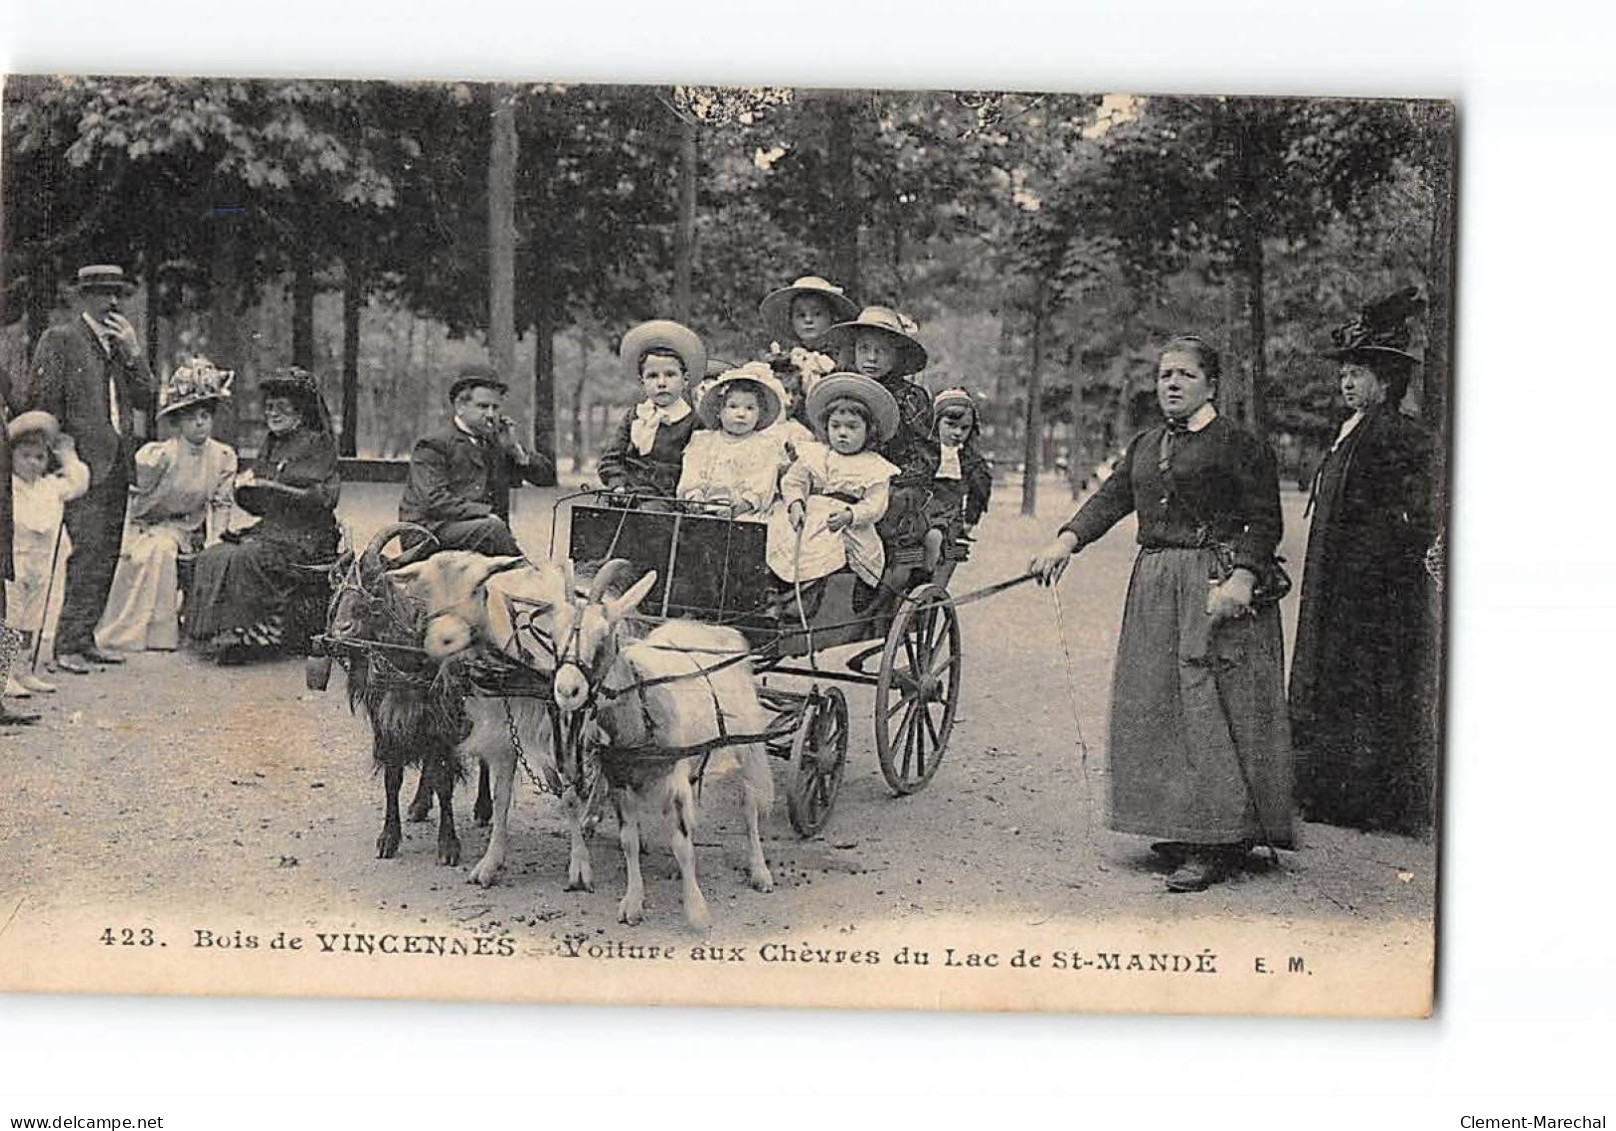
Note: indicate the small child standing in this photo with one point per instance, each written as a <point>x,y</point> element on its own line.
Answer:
<point>40,541</point>
<point>879,344</point>
<point>735,459</point>
<point>645,455</point>
<point>836,489</point>
<point>963,483</point>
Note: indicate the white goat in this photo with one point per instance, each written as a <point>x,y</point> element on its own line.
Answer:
<point>507,604</point>
<point>679,686</point>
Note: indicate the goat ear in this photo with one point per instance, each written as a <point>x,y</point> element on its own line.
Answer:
<point>406,576</point>
<point>619,607</point>
<point>488,567</point>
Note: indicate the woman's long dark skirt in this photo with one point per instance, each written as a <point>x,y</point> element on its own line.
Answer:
<point>237,586</point>
<point>1200,741</point>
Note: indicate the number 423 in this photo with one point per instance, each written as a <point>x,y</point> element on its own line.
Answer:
<point>128,936</point>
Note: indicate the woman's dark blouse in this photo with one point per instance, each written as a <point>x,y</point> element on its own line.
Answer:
<point>1221,487</point>
<point>306,458</point>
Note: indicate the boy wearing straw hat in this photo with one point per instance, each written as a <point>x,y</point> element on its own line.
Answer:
<point>646,454</point>
<point>41,546</point>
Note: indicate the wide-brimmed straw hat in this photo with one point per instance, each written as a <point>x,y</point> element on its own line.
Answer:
<point>889,323</point>
<point>776,305</point>
<point>755,375</point>
<point>664,335</point>
<point>198,381</point>
<point>854,386</point>
<point>103,277</point>
<point>35,422</point>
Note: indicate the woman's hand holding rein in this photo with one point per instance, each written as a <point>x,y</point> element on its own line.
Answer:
<point>1050,562</point>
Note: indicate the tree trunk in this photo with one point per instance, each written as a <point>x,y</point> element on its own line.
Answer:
<point>847,213</point>
<point>502,157</point>
<point>544,425</point>
<point>152,256</point>
<point>1438,286</point>
<point>580,442</point>
<point>546,307</point>
<point>353,302</point>
<point>1078,461</point>
<point>1035,407</point>
<point>684,241</point>
<point>41,297</point>
<point>1249,266</point>
<point>224,332</point>
<point>303,305</point>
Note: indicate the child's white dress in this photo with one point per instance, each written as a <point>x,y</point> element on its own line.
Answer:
<point>181,502</point>
<point>37,516</point>
<point>721,467</point>
<point>826,482</point>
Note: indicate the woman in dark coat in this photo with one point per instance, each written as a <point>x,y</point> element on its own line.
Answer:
<point>242,592</point>
<point>1199,753</point>
<point>1364,755</point>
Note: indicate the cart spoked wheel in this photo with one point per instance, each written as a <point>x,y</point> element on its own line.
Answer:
<point>917,690</point>
<point>818,757</point>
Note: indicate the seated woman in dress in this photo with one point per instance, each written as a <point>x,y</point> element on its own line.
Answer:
<point>180,503</point>
<point>243,590</point>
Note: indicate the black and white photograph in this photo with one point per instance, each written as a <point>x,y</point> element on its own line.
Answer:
<point>725,545</point>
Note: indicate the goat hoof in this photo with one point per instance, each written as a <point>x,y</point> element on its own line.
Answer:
<point>699,919</point>
<point>762,881</point>
<point>419,812</point>
<point>387,845</point>
<point>629,915</point>
<point>482,814</point>
<point>449,852</point>
<point>482,877</point>
<point>579,885</point>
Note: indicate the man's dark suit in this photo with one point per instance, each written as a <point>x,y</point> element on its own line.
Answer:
<point>70,379</point>
<point>460,489</point>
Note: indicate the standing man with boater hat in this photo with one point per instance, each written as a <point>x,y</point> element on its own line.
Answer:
<point>460,477</point>
<point>91,375</point>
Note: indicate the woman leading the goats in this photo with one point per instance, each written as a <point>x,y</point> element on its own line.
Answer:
<point>1199,751</point>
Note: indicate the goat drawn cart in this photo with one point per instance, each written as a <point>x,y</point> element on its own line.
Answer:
<point>712,568</point>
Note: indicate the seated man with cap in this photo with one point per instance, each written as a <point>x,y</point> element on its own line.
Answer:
<point>460,477</point>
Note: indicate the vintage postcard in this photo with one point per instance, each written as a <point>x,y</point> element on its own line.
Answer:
<point>703,545</point>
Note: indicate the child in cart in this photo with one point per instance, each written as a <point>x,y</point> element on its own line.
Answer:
<point>835,491</point>
<point>961,486</point>
<point>798,317</point>
<point>734,459</point>
<point>880,345</point>
<point>647,452</point>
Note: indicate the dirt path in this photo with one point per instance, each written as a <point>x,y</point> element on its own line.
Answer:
<point>176,784</point>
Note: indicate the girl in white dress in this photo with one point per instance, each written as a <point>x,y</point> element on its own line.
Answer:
<point>181,502</point>
<point>836,489</point>
<point>735,460</point>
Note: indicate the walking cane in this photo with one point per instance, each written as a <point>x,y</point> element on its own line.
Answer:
<point>50,581</point>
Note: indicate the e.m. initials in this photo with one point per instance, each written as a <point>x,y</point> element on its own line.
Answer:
<point>1293,965</point>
